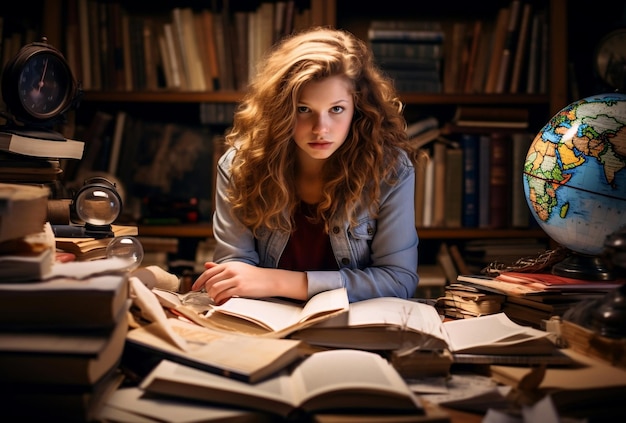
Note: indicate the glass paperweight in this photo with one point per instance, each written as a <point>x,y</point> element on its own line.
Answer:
<point>128,248</point>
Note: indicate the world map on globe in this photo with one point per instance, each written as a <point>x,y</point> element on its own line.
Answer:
<point>575,173</point>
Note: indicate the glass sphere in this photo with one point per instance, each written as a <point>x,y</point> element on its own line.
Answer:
<point>128,248</point>
<point>98,205</point>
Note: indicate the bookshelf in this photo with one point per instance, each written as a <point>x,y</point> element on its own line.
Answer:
<point>182,105</point>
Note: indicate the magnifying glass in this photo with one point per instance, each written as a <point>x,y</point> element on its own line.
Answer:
<point>96,205</point>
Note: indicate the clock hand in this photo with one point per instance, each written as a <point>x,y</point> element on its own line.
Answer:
<point>43,75</point>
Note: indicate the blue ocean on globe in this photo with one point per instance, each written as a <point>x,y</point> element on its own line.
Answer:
<point>575,173</point>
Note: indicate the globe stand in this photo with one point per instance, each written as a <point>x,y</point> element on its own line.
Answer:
<point>582,266</point>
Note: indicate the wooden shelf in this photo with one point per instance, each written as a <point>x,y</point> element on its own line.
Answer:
<point>162,97</point>
<point>234,97</point>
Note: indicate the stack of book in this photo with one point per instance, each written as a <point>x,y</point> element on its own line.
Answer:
<point>26,249</point>
<point>411,52</point>
<point>61,341</point>
<point>89,248</point>
<point>533,298</point>
<point>61,337</point>
<point>31,160</point>
<point>462,301</point>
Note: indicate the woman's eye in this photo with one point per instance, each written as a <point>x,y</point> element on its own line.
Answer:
<point>303,109</point>
<point>337,109</point>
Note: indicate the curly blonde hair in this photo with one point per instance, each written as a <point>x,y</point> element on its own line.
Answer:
<point>262,189</point>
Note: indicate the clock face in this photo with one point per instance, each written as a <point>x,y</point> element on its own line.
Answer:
<point>611,59</point>
<point>44,85</point>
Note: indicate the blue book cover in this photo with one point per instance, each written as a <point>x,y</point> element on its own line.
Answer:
<point>469,145</point>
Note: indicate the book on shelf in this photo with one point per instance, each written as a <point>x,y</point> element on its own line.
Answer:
<point>439,182</point>
<point>421,126</point>
<point>499,180</point>
<point>499,39</point>
<point>445,261</point>
<point>405,30</point>
<point>536,51</point>
<point>41,147</point>
<point>510,43</point>
<point>270,317</point>
<point>64,302</point>
<point>389,323</point>
<point>246,358</point>
<point>491,117</point>
<point>453,188</point>
<point>484,164</point>
<point>129,404</point>
<point>520,212</point>
<point>23,203</point>
<point>57,402</point>
<point>593,387</point>
<point>453,52</point>
<point>473,37</point>
<point>421,168</point>
<point>59,358</point>
<point>93,248</point>
<point>331,380</point>
<point>520,59</point>
<point>470,203</point>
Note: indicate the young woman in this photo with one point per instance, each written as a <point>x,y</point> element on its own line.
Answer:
<point>316,190</point>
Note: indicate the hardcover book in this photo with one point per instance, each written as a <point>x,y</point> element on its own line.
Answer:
<point>324,381</point>
<point>245,358</point>
<point>389,323</point>
<point>39,147</point>
<point>73,358</point>
<point>270,317</point>
<point>64,302</point>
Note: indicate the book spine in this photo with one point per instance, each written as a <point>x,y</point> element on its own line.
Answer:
<point>484,165</point>
<point>499,180</point>
<point>469,145</point>
<point>510,43</point>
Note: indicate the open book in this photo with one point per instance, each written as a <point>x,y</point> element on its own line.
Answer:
<point>246,358</point>
<point>271,317</point>
<point>389,323</point>
<point>327,380</point>
<point>241,357</point>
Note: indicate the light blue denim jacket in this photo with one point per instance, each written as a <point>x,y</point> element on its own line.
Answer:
<point>378,258</point>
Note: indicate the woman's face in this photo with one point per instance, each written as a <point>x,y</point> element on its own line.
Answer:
<point>323,118</point>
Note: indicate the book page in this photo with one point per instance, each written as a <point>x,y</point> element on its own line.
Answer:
<point>275,314</point>
<point>323,379</point>
<point>384,311</point>
<point>493,329</point>
<point>274,394</point>
<point>241,357</point>
<point>153,311</point>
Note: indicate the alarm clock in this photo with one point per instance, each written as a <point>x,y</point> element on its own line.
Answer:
<point>38,87</point>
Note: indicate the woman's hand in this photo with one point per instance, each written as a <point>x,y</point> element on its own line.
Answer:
<point>237,279</point>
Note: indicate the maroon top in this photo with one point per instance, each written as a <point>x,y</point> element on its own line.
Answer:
<point>309,246</point>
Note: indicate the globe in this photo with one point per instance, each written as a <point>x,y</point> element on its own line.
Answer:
<point>575,181</point>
